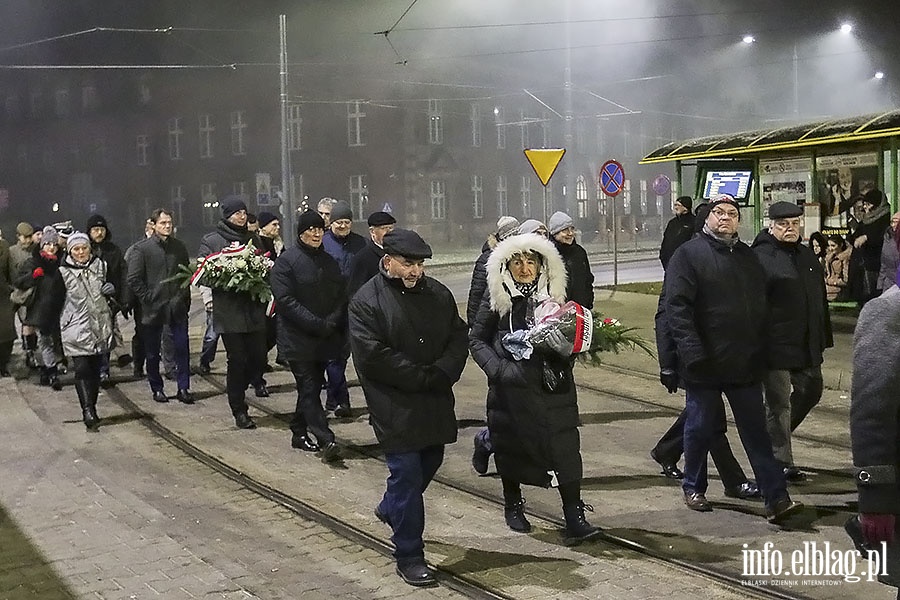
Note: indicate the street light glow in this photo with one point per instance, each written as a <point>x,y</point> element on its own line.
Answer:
<point>846,28</point>
<point>749,39</point>
<point>879,74</point>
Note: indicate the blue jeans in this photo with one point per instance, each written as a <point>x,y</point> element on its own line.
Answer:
<point>403,504</point>
<point>152,343</point>
<point>210,342</point>
<point>705,411</point>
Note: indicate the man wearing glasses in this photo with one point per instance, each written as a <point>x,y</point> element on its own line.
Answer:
<point>799,328</point>
<point>715,308</point>
<point>342,244</point>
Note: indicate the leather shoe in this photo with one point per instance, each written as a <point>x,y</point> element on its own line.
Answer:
<point>342,411</point>
<point>330,452</point>
<point>105,381</point>
<point>261,390</point>
<point>243,421</point>
<point>160,397</point>
<point>782,509</point>
<point>185,396</point>
<point>416,573</point>
<point>382,517</point>
<point>302,442</point>
<point>670,470</point>
<point>204,369</point>
<point>748,489</point>
<point>792,473</point>
<point>697,501</point>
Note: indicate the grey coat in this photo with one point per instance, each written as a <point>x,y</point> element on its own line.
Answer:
<point>85,323</point>
<point>890,261</point>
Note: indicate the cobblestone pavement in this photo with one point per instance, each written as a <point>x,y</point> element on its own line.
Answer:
<point>121,514</point>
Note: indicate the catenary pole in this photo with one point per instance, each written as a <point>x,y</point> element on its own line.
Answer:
<point>287,199</point>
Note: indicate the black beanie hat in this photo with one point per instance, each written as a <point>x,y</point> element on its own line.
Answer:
<point>231,205</point>
<point>309,220</point>
<point>873,197</point>
<point>265,218</point>
<point>96,221</point>
<point>685,201</point>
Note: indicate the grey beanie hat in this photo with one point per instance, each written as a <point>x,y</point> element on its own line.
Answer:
<point>559,221</point>
<point>531,226</point>
<point>507,226</point>
<point>49,235</point>
<point>76,239</point>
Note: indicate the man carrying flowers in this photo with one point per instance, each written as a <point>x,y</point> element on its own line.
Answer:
<point>239,313</point>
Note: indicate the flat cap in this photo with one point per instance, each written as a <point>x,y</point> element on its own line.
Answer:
<point>24,229</point>
<point>406,243</point>
<point>379,218</point>
<point>784,210</point>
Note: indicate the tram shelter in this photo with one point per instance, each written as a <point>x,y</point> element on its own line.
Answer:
<point>824,166</point>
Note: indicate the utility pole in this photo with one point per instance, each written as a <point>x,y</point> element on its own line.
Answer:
<point>287,200</point>
<point>569,200</point>
<point>796,85</point>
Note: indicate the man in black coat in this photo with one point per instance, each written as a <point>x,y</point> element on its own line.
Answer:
<point>679,229</point>
<point>364,265</point>
<point>152,263</point>
<point>237,317</point>
<point>311,296</point>
<point>798,328</point>
<point>409,347</point>
<point>715,307</point>
<point>103,247</point>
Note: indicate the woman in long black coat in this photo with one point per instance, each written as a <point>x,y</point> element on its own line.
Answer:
<point>534,432</point>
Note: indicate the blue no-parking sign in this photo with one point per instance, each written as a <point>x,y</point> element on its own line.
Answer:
<point>612,178</point>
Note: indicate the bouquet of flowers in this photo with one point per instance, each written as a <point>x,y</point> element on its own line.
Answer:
<point>589,333</point>
<point>235,269</point>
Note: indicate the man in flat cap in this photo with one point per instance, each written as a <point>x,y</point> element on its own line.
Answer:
<point>798,328</point>
<point>715,304</point>
<point>364,265</point>
<point>409,347</point>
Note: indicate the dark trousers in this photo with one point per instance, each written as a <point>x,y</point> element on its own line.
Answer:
<point>309,416</point>
<point>6,349</point>
<point>807,386</point>
<point>246,354</point>
<point>670,447</point>
<point>403,504</point>
<point>87,368</point>
<point>152,335</point>
<point>336,390</point>
<point>210,342</point>
<point>704,412</point>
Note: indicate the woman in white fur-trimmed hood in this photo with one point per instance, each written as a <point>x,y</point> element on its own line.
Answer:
<point>533,430</point>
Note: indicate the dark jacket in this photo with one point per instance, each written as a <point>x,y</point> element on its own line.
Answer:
<point>49,291</point>
<point>678,231</point>
<point>364,266</point>
<point>478,285</point>
<point>311,300</point>
<point>798,327</point>
<point>116,270</point>
<point>715,303</point>
<point>151,264</point>
<point>233,312</point>
<point>580,286</point>
<point>343,249</point>
<point>533,431</point>
<point>875,403</point>
<point>409,348</point>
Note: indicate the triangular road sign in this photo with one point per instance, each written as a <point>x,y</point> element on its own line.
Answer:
<point>544,161</point>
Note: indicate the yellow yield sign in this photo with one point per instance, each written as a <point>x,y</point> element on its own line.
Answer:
<point>544,161</point>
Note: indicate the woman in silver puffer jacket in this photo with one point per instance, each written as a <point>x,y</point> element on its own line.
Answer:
<point>85,322</point>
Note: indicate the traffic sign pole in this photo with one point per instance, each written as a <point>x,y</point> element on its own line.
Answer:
<point>612,182</point>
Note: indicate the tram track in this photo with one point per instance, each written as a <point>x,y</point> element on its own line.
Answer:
<point>722,577</point>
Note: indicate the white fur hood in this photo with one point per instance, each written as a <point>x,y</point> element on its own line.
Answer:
<point>551,281</point>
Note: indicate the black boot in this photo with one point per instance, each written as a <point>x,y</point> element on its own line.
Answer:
<point>577,528</point>
<point>53,378</point>
<point>514,513</point>
<point>88,410</point>
<point>94,390</point>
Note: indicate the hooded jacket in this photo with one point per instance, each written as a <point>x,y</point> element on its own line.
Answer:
<point>798,326</point>
<point>85,323</point>
<point>233,312</point>
<point>534,432</point>
<point>409,348</point>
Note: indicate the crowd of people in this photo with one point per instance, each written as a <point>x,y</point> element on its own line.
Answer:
<point>337,294</point>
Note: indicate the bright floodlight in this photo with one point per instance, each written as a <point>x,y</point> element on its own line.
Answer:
<point>879,74</point>
<point>749,39</point>
<point>846,28</point>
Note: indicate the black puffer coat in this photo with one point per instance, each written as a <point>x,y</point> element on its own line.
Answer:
<point>478,285</point>
<point>151,265</point>
<point>233,312</point>
<point>308,289</point>
<point>578,269</point>
<point>679,230</point>
<point>409,348</point>
<point>798,326</point>
<point>534,432</point>
<point>49,291</point>
<point>716,310</point>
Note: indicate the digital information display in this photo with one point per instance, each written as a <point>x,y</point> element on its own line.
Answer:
<point>736,183</point>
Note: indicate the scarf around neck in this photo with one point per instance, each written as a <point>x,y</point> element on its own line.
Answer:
<point>729,241</point>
